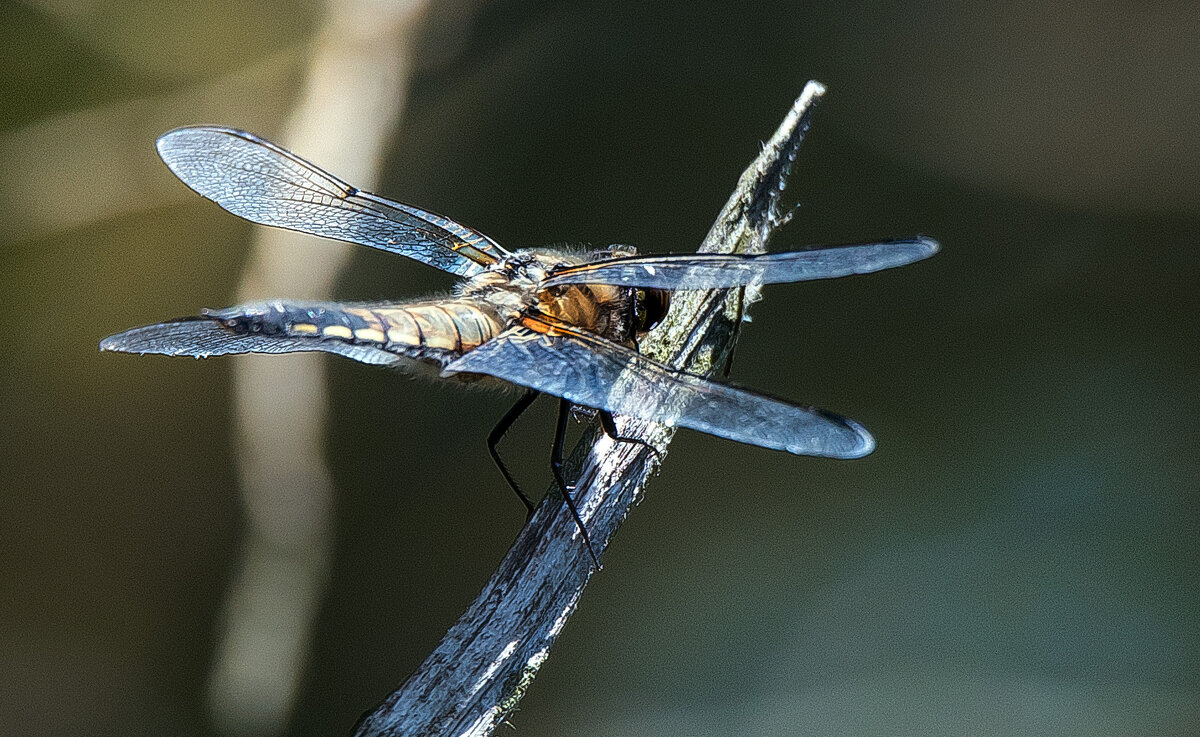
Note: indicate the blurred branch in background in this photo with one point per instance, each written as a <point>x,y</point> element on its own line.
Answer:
<point>352,97</point>
<point>479,672</point>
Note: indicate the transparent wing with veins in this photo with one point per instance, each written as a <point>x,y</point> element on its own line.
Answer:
<point>263,183</point>
<point>556,359</point>
<point>720,271</point>
<point>203,336</point>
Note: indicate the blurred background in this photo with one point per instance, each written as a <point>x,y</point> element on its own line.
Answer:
<point>269,547</point>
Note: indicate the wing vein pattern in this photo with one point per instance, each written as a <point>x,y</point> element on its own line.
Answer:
<point>202,337</point>
<point>724,271</point>
<point>265,184</point>
<point>594,372</point>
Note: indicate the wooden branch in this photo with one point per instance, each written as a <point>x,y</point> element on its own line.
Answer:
<point>480,670</point>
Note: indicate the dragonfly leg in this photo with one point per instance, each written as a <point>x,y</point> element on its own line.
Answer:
<point>556,465</point>
<point>737,328</point>
<point>609,426</point>
<point>498,432</point>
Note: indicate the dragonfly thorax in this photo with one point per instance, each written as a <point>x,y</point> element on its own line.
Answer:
<point>513,288</point>
<point>510,286</point>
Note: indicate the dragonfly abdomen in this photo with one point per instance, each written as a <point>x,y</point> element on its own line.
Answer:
<point>439,331</point>
<point>452,326</point>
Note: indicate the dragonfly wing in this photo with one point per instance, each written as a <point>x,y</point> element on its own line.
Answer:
<point>723,271</point>
<point>201,337</point>
<point>263,183</point>
<point>593,372</point>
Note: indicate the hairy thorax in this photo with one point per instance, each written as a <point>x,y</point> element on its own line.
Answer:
<point>510,287</point>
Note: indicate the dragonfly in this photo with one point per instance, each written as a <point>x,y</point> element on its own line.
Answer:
<point>547,321</point>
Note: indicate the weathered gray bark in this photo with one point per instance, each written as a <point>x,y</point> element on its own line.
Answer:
<point>480,670</point>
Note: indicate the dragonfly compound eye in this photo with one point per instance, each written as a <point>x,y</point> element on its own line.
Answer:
<point>652,307</point>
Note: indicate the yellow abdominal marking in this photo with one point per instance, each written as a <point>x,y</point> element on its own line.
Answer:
<point>337,331</point>
<point>370,334</point>
<point>304,328</point>
<point>437,329</point>
<point>401,336</point>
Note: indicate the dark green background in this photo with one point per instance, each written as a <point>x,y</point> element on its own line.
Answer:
<point>1018,556</point>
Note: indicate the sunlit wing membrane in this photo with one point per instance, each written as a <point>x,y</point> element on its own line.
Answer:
<point>593,372</point>
<point>716,271</point>
<point>202,337</point>
<point>259,181</point>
